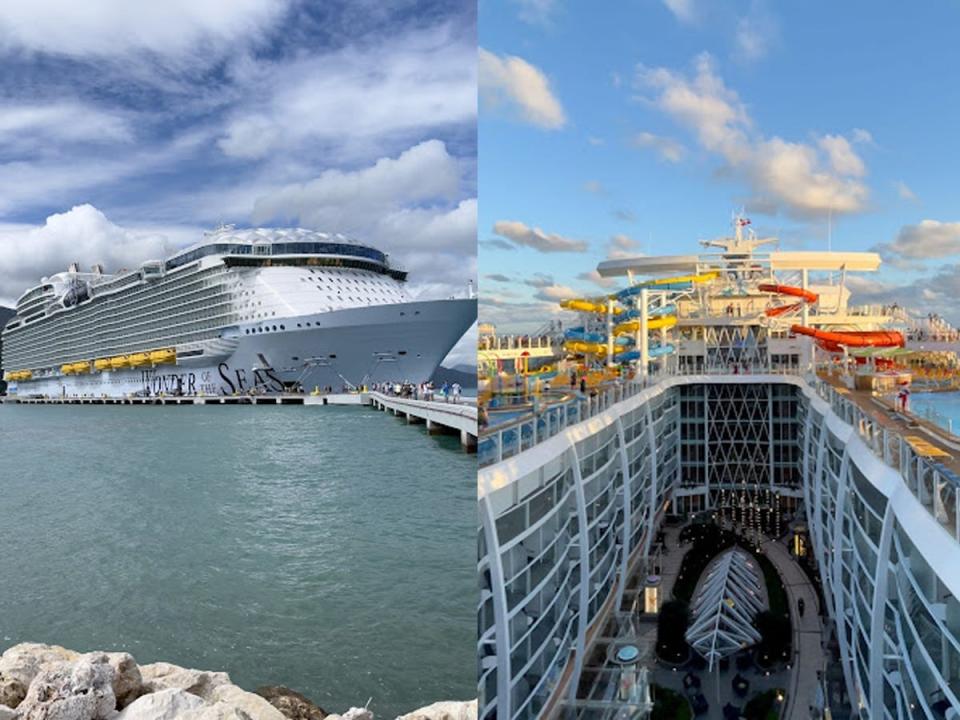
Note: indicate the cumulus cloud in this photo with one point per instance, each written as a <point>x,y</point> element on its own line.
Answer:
<point>522,235</point>
<point>668,148</point>
<point>512,81</point>
<point>409,206</point>
<point>83,235</point>
<point>926,240</point>
<point>415,81</point>
<point>802,179</point>
<point>109,28</point>
<point>935,293</point>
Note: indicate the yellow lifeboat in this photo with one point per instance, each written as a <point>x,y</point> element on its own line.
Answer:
<point>120,361</point>
<point>102,363</point>
<point>81,367</point>
<point>67,369</point>
<point>139,359</point>
<point>159,357</point>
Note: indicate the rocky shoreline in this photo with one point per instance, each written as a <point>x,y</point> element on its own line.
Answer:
<point>48,682</point>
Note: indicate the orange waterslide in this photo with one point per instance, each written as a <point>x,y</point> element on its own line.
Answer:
<point>860,338</point>
<point>804,295</point>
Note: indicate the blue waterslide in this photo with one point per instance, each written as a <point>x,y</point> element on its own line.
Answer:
<point>653,312</point>
<point>653,351</point>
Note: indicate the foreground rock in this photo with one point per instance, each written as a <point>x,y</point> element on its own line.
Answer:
<point>48,682</point>
<point>292,704</point>
<point>444,711</point>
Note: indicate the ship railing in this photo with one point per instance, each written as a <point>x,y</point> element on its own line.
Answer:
<point>504,440</point>
<point>517,342</point>
<point>931,482</point>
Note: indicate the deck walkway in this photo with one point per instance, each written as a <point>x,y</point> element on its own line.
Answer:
<point>941,446</point>
<point>809,658</point>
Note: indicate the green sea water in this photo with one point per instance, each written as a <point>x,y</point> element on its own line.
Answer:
<point>330,550</point>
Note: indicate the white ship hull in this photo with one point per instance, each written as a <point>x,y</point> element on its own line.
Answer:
<point>349,347</point>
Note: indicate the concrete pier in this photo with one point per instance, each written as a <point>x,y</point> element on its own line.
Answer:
<point>439,417</point>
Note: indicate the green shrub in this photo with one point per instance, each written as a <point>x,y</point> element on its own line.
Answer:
<point>669,705</point>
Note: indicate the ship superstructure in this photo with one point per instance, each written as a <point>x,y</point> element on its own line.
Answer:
<point>262,309</point>
<point>722,392</point>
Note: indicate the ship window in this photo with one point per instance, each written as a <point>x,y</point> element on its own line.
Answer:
<point>282,327</point>
<point>274,328</point>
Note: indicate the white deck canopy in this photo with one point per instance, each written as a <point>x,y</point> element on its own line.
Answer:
<point>729,597</point>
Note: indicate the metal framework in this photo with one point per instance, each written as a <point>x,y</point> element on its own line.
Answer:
<point>566,521</point>
<point>724,608</point>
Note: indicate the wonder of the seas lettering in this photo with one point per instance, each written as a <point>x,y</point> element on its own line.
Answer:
<point>171,383</point>
<point>237,381</point>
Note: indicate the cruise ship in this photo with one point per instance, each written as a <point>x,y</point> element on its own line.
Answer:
<point>258,310</point>
<point>741,391</point>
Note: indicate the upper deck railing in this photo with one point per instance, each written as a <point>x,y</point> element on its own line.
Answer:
<point>930,481</point>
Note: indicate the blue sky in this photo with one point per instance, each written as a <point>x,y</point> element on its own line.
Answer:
<point>641,127</point>
<point>127,129</point>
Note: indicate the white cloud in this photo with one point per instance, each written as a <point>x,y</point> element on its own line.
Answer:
<point>757,32</point>
<point>540,280</point>
<point>522,235</point>
<point>802,179</point>
<point>683,10</point>
<point>513,81</point>
<point>594,277</point>
<point>536,12</point>
<point>843,159</point>
<point>623,246</point>
<point>556,293</point>
<point>859,135</point>
<point>35,125</point>
<point>927,240</point>
<point>904,191</point>
<point>595,141</point>
<point>345,200</point>
<point>355,95</point>
<point>668,148</point>
<point>84,235</point>
<point>408,206</point>
<point>110,28</point>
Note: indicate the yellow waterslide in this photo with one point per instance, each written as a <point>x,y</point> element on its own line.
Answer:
<point>701,278</point>
<point>585,305</point>
<point>656,323</point>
